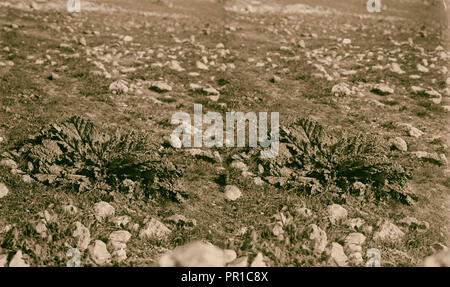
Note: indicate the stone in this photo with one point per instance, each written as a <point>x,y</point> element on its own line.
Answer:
<point>442,259</point>
<point>41,229</point>
<point>103,210</point>
<point>337,255</point>
<point>160,87</point>
<point>3,190</point>
<point>388,232</point>
<point>336,213</point>
<point>355,238</point>
<point>119,87</point>
<point>194,254</point>
<point>239,262</point>
<point>155,230</point>
<point>127,39</point>
<point>395,67</point>
<point>346,41</point>
<point>3,260</point>
<point>412,131</point>
<point>229,255</point>
<point>422,68</point>
<point>99,253</point>
<point>201,66</point>
<point>382,89</point>
<point>122,236</point>
<point>356,258</point>
<point>239,165</point>
<point>82,41</point>
<point>9,163</point>
<point>18,260</point>
<point>258,261</point>
<point>81,235</point>
<point>399,144</point>
<point>232,192</point>
<point>317,237</point>
<point>341,89</point>
<point>119,255</point>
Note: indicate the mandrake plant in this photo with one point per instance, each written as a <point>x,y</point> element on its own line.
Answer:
<point>76,153</point>
<point>344,164</point>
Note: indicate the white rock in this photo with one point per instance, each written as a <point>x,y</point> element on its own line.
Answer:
<point>155,230</point>
<point>118,239</point>
<point>318,238</point>
<point>336,213</point>
<point>382,89</point>
<point>3,260</point>
<point>355,238</point>
<point>3,190</point>
<point>18,260</point>
<point>160,87</point>
<point>240,262</point>
<point>395,67</point>
<point>346,41</point>
<point>399,144</point>
<point>441,259</point>
<point>201,66</point>
<point>81,235</point>
<point>388,231</point>
<point>128,38</point>
<point>258,261</point>
<point>99,253</point>
<point>194,254</point>
<point>412,131</point>
<point>232,192</point>
<point>9,163</point>
<point>422,68</point>
<point>337,255</point>
<point>103,210</point>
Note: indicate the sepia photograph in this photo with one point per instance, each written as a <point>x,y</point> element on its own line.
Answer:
<point>225,133</point>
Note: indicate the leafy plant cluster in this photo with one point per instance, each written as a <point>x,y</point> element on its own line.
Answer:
<point>361,164</point>
<point>76,153</point>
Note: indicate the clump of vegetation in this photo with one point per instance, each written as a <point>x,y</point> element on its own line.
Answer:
<point>314,161</point>
<point>76,154</point>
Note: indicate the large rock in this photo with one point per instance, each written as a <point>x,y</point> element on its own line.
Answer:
<point>337,255</point>
<point>103,210</point>
<point>99,253</point>
<point>3,190</point>
<point>195,254</point>
<point>388,232</point>
<point>318,238</point>
<point>442,259</point>
<point>18,260</point>
<point>232,192</point>
<point>155,230</point>
<point>81,235</point>
<point>336,213</point>
<point>259,261</point>
<point>3,260</point>
<point>399,144</point>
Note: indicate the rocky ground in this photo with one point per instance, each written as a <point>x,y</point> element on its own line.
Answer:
<point>89,176</point>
